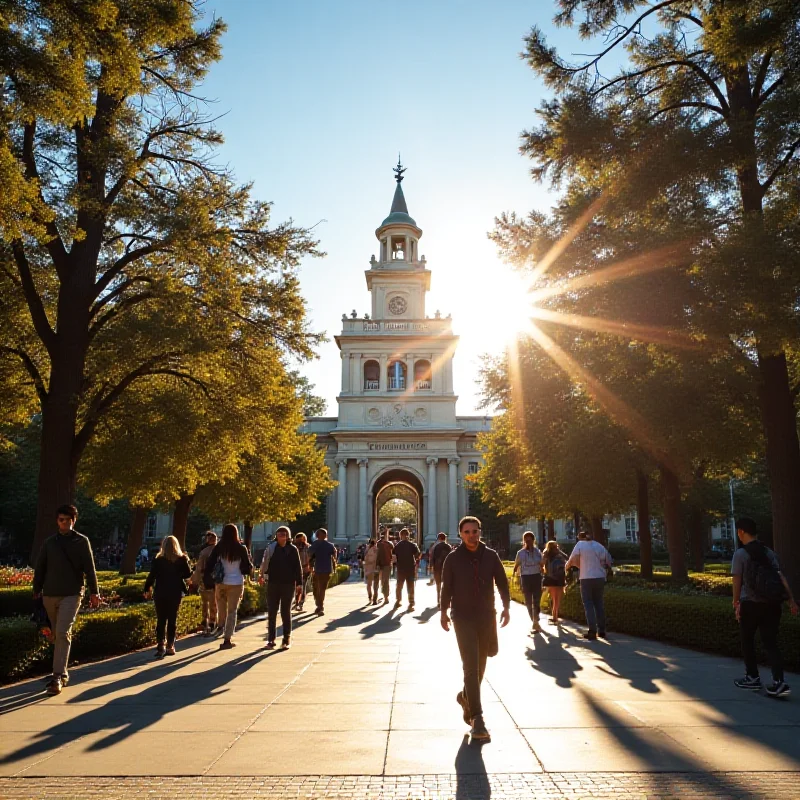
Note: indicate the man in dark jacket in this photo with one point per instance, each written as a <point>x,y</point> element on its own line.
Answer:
<point>407,554</point>
<point>469,576</point>
<point>439,553</point>
<point>64,561</point>
<point>282,570</point>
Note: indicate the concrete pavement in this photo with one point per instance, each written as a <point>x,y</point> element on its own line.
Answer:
<point>366,698</point>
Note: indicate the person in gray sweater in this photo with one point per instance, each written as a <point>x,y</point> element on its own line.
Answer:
<point>64,563</point>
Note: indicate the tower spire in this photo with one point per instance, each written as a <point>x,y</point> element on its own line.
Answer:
<point>399,170</point>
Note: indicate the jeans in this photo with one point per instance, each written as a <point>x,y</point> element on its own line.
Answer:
<point>406,577</point>
<point>62,612</point>
<point>321,580</point>
<point>167,617</point>
<point>532,589</point>
<point>373,578</point>
<point>592,598</point>
<point>766,618</point>
<point>437,577</point>
<point>279,595</point>
<point>228,598</point>
<point>304,587</point>
<point>472,635</point>
<point>209,607</point>
<point>385,572</point>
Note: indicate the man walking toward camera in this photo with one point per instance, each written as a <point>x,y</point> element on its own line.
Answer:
<point>322,557</point>
<point>407,554</point>
<point>469,577</point>
<point>384,563</point>
<point>64,561</point>
<point>759,590</point>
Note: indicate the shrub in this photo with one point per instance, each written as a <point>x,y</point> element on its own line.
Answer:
<point>341,575</point>
<point>12,576</point>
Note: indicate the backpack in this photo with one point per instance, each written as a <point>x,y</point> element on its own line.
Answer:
<point>384,553</point>
<point>440,553</point>
<point>218,573</point>
<point>760,576</point>
<point>556,569</point>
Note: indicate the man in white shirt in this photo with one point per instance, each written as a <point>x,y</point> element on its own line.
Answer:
<point>592,559</point>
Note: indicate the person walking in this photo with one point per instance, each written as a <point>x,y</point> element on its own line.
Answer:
<point>301,543</point>
<point>439,552</point>
<point>371,572</point>
<point>384,563</point>
<point>64,563</point>
<point>322,555</point>
<point>759,591</point>
<point>593,561</point>
<point>407,555</point>
<point>168,572</point>
<point>469,577</point>
<point>554,562</point>
<point>209,604</point>
<point>283,573</point>
<point>528,564</point>
<point>227,566</point>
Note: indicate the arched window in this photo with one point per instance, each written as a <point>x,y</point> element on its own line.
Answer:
<point>422,375</point>
<point>396,373</point>
<point>372,376</point>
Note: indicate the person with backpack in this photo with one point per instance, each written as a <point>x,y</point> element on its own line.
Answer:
<point>227,566</point>
<point>322,555</point>
<point>206,590</point>
<point>301,543</point>
<point>593,561</point>
<point>759,591</point>
<point>554,562</point>
<point>64,562</point>
<point>407,556</point>
<point>371,572</point>
<point>283,572</point>
<point>529,565</point>
<point>384,563</point>
<point>438,553</point>
<point>168,573</point>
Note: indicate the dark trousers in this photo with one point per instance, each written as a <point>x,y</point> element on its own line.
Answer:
<point>320,587</point>
<point>167,617</point>
<point>406,577</point>
<point>279,595</point>
<point>473,636</point>
<point>532,589</point>
<point>592,598</point>
<point>766,618</point>
<point>437,577</point>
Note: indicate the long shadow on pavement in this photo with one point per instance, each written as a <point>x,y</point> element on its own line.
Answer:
<point>389,623</point>
<point>549,656</point>
<point>472,781</point>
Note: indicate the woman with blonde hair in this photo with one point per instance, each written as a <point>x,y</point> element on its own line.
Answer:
<point>169,572</point>
<point>554,561</point>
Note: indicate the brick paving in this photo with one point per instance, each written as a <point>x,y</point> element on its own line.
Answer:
<point>362,707</point>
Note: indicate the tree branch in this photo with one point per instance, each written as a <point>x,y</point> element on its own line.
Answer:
<point>32,369</point>
<point>761,75</point>
<point>781,164</point>
<point>117,292</point>
<point>116,311</point>
<point>34,301</point>
<point>122,262</point>
<point>767,92</point>
<point>708,106</point>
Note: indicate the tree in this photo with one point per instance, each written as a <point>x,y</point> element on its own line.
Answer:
<point>704,115</point>
<point>129,249</point>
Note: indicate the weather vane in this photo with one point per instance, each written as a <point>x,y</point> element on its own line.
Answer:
<point>399,170</point>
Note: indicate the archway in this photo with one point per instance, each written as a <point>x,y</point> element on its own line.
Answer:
<point>401,488</point>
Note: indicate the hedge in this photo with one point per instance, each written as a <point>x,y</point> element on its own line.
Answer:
<point>701,622</point>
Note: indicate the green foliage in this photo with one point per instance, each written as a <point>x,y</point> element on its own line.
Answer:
<point>341,575</point>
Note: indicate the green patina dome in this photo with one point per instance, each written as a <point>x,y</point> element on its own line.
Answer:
<point>399,213</point>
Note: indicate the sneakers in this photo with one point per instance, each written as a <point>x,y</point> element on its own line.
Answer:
<point>170,651</point>
<point>270,645</point>
<point>479,732</point>
<point>64,681</point>
<point>602,635</point>
<point>537,628</point>
<point>410,606</point>
<point>779,689</point>
<point>462,701</point>
<point>286,644</point>
<point>160,652</point>
<point>397,603</point>
<point>226,644</point>
<point>749,682</point>
<point>590,635</point>
<point>54,687</point>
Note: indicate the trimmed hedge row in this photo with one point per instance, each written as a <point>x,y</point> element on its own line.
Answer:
<point>701,622</point>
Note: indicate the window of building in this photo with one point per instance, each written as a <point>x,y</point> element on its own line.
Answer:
<point>422,375</point>
<point>631,528</point>
<point>398,248</point>
<point>151,527</point>
<point>726,529</point>
<point>569,530</point>
<point>472,467</point>
<point>396,373</point>
<point>372,376</point>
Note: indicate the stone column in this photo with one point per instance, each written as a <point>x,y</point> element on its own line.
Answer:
<point>384,364</point>
<point>363,523</point>
<point>341,498</point>
<point>410,372</point>
<point>355,373</point>
<point>432,462</point>
<point>345,373</point>
<point>452,495</point>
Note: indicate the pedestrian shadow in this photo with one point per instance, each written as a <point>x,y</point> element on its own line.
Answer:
<point>550,655</point>
<point>472,781</point>
<point>388,623</point>
<point>350,620</point>
<point>121,718</point>
<point>426,615</point>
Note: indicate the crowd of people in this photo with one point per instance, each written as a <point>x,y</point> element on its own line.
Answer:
<point>467,579</point>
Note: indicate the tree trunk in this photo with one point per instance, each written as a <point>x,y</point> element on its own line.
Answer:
<point>541,531</point>
<point>135,540</point>
<point>672,519</point>
<point>180,519</point>
<point>576,522</point>
<point>598,534</point>
<point>697,538</point>
<point>551,530</point>
<point>643,519</point>
<point>248,535</point>
<point>779,417</point>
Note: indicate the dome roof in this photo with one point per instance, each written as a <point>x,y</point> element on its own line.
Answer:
<point>399,213</point>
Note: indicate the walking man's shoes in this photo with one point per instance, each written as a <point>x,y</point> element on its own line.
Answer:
<point>779,689</point>
<point>462,701</point>
<point>479,733</point>
<point>64,681</point>
<point>749,682</point>
<point>54,687</point>
<point>270,645</point>
<point>602,635</point>
<point>411,607</point>
<point>590,635</point>
<point>286,644</point>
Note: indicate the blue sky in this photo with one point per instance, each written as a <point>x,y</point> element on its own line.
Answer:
<point>320,95</point>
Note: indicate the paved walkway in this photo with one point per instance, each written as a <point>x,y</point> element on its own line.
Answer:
<point>363,705</point>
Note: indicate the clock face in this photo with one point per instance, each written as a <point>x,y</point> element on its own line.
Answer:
<point>398,305</point>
